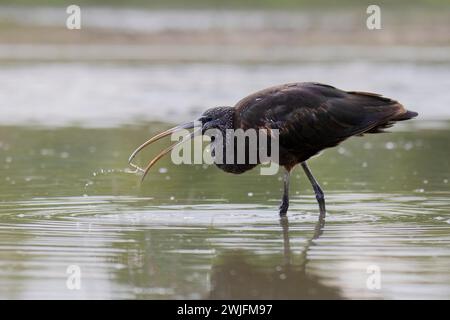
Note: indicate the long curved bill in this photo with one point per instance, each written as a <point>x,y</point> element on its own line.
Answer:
<point>167,150</point>
<point>188,125</point>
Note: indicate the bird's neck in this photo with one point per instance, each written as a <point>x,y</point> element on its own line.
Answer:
<point>227,124</point>
<point>227,119</point>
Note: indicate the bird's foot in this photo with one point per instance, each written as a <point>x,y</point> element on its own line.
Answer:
<point>320,197</point>
<point>283,209</point>
<point>321,202</point>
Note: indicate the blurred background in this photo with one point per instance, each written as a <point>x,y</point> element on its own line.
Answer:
<point>167,60</point>
<point>75,103</point>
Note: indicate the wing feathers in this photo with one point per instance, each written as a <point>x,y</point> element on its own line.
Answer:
<point>317,115</point>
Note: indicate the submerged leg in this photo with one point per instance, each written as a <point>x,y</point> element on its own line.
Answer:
<point>318,191</point>
<point>285,199</point>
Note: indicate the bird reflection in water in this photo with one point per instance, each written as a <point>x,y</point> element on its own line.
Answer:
<point>238,276</point>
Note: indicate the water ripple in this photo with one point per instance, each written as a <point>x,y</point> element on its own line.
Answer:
<point>406,236</point>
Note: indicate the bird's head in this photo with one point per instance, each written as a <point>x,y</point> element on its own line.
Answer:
<point>219,118</point>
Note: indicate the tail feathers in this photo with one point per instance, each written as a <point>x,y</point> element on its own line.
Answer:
<point>402,117</point>
<point>406,116</point>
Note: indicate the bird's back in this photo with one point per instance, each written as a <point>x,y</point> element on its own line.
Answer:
<point>313,116</point>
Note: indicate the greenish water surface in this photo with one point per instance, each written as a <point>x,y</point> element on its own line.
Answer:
<point>192,231</point>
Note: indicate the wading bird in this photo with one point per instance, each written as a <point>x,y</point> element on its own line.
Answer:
<point>309,117</point>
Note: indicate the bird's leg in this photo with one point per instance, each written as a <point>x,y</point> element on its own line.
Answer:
<point>318,191</point>
<point>285,199</point>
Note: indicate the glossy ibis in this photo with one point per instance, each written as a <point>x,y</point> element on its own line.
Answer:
<point>309,117</point>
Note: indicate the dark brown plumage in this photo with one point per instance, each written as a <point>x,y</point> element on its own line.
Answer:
<point>314,116</point>
<point>310,117</point>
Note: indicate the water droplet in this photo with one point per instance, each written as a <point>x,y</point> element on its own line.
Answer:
<point>364,164</point>
<point>445,180</point>
<point>283,276</point>
<point>47,152</point>
<point>390,145</point>
<point>8,159</point>
<point>425,181</point>
<point>408,146</point>
<point>419,190</point>
<point>162,170</point>
<point>64,155</point>
<point>172,198</point>
<point>250,194</point>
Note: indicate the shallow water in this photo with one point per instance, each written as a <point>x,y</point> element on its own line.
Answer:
<point>73,106</point>
<point>195,232</point>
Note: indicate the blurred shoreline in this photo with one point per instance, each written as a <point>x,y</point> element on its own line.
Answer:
<point>131,65</point>
<point>225,35</point>
<point>219,54</point>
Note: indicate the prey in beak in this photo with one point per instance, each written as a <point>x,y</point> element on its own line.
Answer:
<point>184,126</point>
